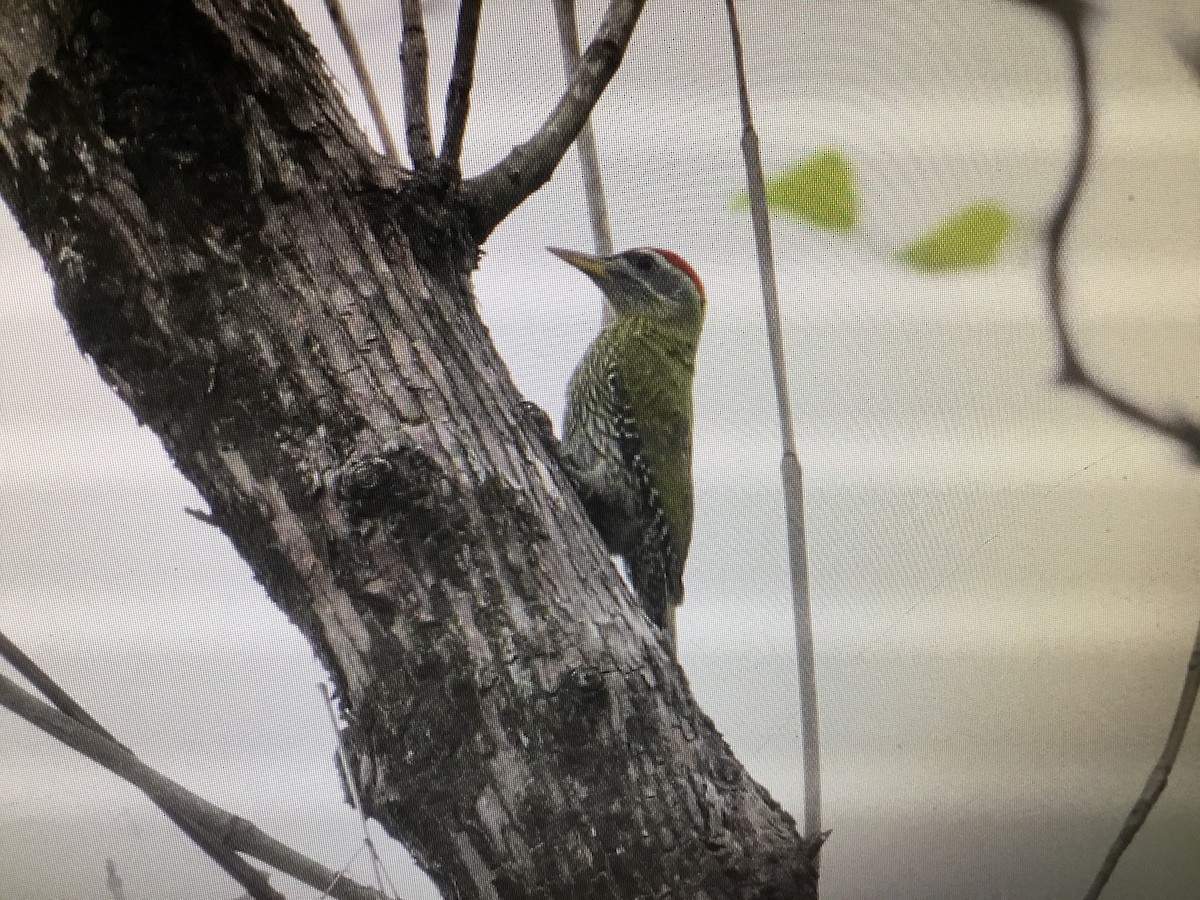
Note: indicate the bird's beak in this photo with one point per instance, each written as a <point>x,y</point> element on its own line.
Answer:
<point>592,266</point>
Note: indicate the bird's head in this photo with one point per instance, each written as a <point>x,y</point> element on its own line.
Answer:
<point>645,282</point>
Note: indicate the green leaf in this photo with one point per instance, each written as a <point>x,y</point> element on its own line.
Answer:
<point>820,191</point>
<point>969,239</point>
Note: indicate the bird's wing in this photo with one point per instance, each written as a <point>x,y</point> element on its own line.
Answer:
<point>642,437</point>
<point>661,408</point>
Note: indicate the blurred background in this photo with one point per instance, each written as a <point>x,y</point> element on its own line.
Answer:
<point>1006,578</point>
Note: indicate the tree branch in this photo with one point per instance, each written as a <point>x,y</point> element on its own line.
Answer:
<point>350,44</point>
<point>49,688</point>
<point>462,75</point>
<point>414,67</point>
<point>491,196</point>
<point>792,474</point>
<point>1157,782</point>
<point>585,145</point>
<point>1072,16</point>
<point>238,869</point>
<point>198,818</point>
<point>1072,372</point>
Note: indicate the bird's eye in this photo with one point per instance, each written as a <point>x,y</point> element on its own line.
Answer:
<point>643,262</point>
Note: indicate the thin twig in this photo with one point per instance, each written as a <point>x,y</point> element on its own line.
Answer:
<point>1072,372</point>
<point>492,195</point>
<point>195,815</point>
<point>201,516</point>
<point>793,483</point>
<point>462,75</point>
<point>414,67</point>
<point>350,45</point>
<point>352,785</point>
<point>251,879</point>
<point>585,144</point>
<point>237,868</point>
<point>1157,781</point>
<point>1072,15</point>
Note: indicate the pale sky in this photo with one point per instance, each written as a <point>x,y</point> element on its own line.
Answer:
<point>1004,576</point>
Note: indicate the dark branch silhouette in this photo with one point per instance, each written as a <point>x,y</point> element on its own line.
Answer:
<point>1073,17</point>
<point>1187,48</point>
<point>1157,781</point>
<point>491,196</point>
<point>462,75</point>
<point>196,817</point>
<point>414,66</point>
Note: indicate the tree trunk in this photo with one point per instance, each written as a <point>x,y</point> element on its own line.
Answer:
<point>293,316</point>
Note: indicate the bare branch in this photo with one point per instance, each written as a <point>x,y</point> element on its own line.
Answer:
<point>237,868</point>
<point>414,66</point>
<point>109,754</point>
<point>350,45</point>
<point>491,196</point>
<point>1072,15</point>
<point>1072,372</point>
<point>201,516</point>
<point>462,75</point>
<point>585,144</point>
<point>350,779</point>
<point>793,482</point>
<point>198,818</point>
<point>35,675</point>
<point>1157,781</point>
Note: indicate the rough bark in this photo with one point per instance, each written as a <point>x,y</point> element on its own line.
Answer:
<point>293,316</point>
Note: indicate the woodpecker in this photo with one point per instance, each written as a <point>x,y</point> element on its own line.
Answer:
<point>627,438</point>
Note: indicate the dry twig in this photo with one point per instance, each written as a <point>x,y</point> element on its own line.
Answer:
<point>462,75</point>
<point>1157,781</point>
<point>350,45</point>
<point>1072,15</point>
<point>198,818</point>
<point>585,144</point>
<point>793,485</point>
<point>492,195</point>
<point>414,67</point>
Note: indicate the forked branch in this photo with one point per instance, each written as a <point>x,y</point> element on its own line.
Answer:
<point>491,196</point>
<point>202,821</point>
<point>1072,372</point>
<point>1072,16</point>
<point>255,883</point>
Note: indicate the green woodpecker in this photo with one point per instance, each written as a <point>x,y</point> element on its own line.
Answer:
<point>627,439</point>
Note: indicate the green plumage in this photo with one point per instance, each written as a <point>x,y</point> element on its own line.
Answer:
<point>657,365</point>
<point>627,439</point>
